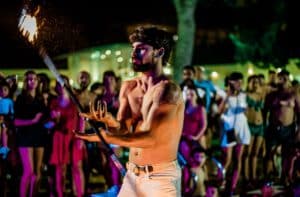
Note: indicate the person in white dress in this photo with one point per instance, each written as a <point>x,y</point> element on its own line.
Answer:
<point>235,130</point>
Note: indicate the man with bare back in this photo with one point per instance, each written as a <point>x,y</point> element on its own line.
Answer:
<point>149,120</point>
<point>282,108</point>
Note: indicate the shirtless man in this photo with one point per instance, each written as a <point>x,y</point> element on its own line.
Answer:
<point>149,120</point>
<point>282,108</point>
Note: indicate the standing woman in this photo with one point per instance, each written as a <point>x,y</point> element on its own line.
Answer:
<point>234,119</point>
<point>255,102</point>
<point>31,135</point>
<point>194,126</point>
<point>65,148</point>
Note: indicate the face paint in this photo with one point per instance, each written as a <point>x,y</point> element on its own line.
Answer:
<point>139,53</point>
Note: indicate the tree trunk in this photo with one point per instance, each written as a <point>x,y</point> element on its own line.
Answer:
<point>186,35</point>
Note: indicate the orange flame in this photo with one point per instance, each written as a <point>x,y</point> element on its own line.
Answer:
<point>28,26</point>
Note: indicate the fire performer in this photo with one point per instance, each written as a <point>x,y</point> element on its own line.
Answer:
<point>149,120</point>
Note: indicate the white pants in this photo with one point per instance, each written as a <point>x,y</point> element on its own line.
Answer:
<point>163,181</point>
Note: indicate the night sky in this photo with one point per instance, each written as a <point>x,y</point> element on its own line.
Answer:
<point>72,25</point>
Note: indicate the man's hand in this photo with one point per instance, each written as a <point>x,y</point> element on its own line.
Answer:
<point>101,115</point>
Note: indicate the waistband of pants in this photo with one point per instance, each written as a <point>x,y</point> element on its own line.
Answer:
<point>138,169</point>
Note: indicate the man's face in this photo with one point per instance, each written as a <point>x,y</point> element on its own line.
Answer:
<point>142,57</point>
<point>283,80</point>
<point>188,74</point>
<point>84,80</point>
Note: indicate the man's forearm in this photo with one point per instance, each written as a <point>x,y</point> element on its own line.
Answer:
<point>123,128</point>
<point>138,140</point>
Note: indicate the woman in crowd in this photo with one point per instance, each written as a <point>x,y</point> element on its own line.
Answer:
<point>255,103</point>
<point>235,129</point>
<point>30,111</point>
<point>194,126</point>
<point>65,148</point>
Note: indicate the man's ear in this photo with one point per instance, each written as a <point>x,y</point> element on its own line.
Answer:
<point>160,52</point>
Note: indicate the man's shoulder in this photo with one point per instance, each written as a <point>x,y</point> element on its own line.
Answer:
<point>129,84</point>
<point>172,93</point>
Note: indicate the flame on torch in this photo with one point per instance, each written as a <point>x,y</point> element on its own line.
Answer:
<point>28,25</point>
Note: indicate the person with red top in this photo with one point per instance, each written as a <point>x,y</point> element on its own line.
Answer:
<point>66,149</point>
<point>194,126</point>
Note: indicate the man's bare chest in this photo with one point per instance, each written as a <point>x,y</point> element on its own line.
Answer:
<point>135,100</point>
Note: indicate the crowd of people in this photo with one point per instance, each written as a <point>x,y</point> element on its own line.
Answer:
<point>252,129</point>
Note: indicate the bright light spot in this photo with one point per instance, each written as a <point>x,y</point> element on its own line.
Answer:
<point>291,77</point>
<point>71,82</point>
<point>108,52</point>
<point>120,59</point>
<point>130,60</point>
<point>175,37</point>
<point>95,55</point>
<point>167,70</point>
<point>278,70</point>
<point>130,73</point>
<point>103,56</point>
<point>20,84</point>
<point>118,53</point>
<point>28,26</point>
<point>214,75</point>
<point>250,71</point>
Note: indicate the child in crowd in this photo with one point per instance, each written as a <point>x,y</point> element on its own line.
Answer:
<point>6,113</point>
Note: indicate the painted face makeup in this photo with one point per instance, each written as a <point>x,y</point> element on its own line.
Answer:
<point>140,59</point>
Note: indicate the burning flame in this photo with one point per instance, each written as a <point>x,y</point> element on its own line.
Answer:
<point>28,26</point>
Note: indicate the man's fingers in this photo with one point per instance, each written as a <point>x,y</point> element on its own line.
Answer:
<point>92,109</point>
<point>150,82</point>
<point>85,115</point>
<point>99,110</point>
<point>104,108</point>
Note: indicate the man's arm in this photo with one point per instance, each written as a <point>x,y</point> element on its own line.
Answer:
<point>145,137</point>
<point>141,139</point>
<point>115,125</point>
<point>137,140</point>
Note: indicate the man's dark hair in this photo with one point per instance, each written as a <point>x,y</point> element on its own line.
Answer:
<point>155,37</point>
<point>284,73</point>
<point>189,67</point>
<point>234,76</point>
<point>252,77</point>
<point>95,86</point>
<point>271,72</point>
<point>261,76</point>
